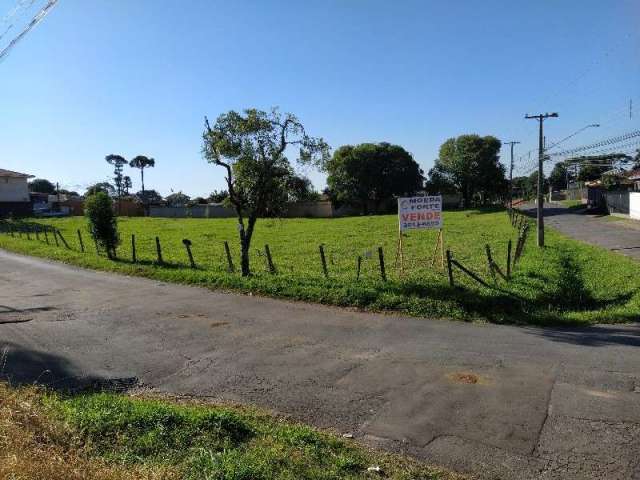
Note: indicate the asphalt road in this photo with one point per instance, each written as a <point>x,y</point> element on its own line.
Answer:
<point>618,235</point>
<point>496,401</point>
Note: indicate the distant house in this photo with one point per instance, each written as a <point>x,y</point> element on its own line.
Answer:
<point>634,177</point>
<point>14,194</point>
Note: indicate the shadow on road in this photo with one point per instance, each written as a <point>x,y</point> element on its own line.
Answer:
<point>20,366</point>
<point>600,336</point>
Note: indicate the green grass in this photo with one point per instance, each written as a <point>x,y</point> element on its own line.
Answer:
<point>566,282</point>
<point>109,436</point>
<point>573,204</point>
<point>224,443</point>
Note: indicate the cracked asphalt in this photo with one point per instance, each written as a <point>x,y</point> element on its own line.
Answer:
<point>487,400</point>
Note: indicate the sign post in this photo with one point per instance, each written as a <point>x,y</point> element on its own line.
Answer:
<point>417,213</point>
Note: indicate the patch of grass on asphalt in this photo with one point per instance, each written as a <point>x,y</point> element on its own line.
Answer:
<point>573,204</point>
<point>566,282</point>
<point>109,436</point>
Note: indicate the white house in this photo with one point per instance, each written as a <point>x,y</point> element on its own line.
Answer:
<point>14,193</point>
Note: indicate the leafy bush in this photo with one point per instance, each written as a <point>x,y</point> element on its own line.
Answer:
<point>102,222</point>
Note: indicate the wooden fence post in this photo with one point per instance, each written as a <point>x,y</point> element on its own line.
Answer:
<point>383,273</point>
<point>37,230</point>
<point>272,267</point>
<point>159,251</point>
<point>230,267</point>
<point>46,235</point>
<point>522,238</point>
<point>509,259</point>
<point>487,249</point>
<point>63,240</point>
<point>470,273</point>
<point>449,269</point>
<point>55,237</point>
<point>187,244</point>
<point>81,242</point>
<point>134,258</point>
<point>358,266</point>
<point>324,262</point>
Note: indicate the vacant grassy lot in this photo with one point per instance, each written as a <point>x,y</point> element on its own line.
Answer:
<point>567,282</point>
<point>48,436</point>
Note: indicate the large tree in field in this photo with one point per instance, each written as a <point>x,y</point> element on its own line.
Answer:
<point>105,187</point>
<point>372,173</point>
<point>251,148</point>
<point>141,162</point>
<point>118,163</point>
<point>41,185</point>
<point>559,176</point>
<point>471,163</point>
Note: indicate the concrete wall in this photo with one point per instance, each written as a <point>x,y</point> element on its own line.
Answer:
<point>617,201</point>
<point>197,211</point>
<point>577,194</point>
<point>15,209</point>
<point>634,205</point>
<point>321,209</point>
<point>14,190</point>
<point>310,209</point>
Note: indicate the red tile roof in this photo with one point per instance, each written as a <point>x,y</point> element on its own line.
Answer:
<point>633,174</point>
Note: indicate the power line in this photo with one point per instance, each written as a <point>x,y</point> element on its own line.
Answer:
<point>34,21</point>
<point>20,6</point>
<point>602,143</point>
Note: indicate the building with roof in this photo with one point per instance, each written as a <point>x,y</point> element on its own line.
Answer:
<point>14,194</point>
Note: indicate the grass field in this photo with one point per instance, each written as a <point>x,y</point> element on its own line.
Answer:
<point>48,436</point>
<point>567,282</point>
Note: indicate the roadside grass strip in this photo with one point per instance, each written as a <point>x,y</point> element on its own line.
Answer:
<point>53,436</point>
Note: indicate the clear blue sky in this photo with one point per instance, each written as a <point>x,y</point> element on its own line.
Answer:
<point>137,77</point>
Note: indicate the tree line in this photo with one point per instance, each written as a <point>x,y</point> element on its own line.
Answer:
<point>253,149</point>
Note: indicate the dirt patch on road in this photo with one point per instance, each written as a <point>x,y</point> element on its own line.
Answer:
<point>468,378</point>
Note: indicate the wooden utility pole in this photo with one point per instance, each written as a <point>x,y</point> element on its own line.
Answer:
<point>540,196</point>
<point>511,174</point>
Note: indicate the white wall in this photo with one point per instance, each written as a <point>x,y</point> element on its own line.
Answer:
<point>13,189</point>
<point>634,205</point>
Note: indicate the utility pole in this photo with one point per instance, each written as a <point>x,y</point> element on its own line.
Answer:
<point>540,207</point>
<point>511,174</point>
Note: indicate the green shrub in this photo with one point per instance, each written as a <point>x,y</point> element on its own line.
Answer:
<point>103,225</point>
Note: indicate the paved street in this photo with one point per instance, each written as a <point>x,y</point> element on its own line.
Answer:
<point>615,234</point>
<point>496,401</point>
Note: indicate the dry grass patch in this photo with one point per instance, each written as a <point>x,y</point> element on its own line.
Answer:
<point>33,446</point>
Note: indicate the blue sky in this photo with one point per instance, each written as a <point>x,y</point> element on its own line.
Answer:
<point>137,77</point>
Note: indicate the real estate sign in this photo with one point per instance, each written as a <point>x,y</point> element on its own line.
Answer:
<point>420,212</point>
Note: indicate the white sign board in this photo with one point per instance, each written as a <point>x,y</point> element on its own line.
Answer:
<point>420,212</point>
